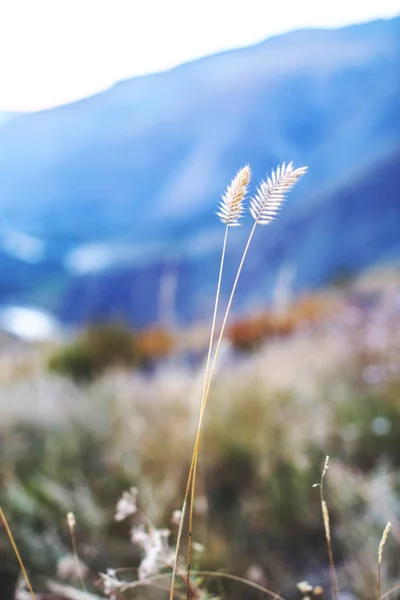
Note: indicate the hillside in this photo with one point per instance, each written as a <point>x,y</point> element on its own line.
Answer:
<point>118,184</point>
<point>352,228</point>
<point>7,117</point>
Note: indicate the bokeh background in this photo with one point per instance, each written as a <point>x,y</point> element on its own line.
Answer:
<point>121,125</point>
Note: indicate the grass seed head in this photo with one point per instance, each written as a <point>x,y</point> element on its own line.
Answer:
<point>265,205</point>
<point>230,208</point>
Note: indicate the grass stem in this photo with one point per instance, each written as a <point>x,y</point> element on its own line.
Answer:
<point>203,407</point>
<point>17,554</point>
<point>325,516</point>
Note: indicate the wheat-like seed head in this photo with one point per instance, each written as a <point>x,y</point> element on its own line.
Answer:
<point>383,541</point>
<point>325,516</point>
<point>271,193</point>
<point>231,206</point>
<point>326,466</point>
<point>71,520</point>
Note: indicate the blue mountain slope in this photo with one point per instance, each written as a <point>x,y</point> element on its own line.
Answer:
<point>132,175</point>
<point>8,116</point>
<point>354,227</point>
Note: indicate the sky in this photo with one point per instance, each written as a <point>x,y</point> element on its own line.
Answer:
<point>57,51</point>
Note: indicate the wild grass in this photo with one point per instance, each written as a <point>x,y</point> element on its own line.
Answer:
<point>230,212</point>
<point>71,521</point>
<point>271,417</point>
<point>380,555</point>
<point>263,412</point>
<point>328,536</point>
<point>16,552</point>
<point>264,207</point>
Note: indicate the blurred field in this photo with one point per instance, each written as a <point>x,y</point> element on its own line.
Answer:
<point>320,377</point>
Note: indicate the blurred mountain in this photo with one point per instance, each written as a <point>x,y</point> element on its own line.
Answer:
<point>108,200</point>
<point>8,116</point>
<point>349,230</point>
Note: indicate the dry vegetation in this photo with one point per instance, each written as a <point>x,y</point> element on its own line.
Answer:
<point>321,377</point>
<point>332,386</point>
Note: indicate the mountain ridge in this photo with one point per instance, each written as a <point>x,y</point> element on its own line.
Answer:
<point>145,162</point>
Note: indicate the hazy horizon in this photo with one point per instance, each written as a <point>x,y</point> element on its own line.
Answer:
<point>54,61</point>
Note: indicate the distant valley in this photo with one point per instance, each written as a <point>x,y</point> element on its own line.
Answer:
<point>107,201</point>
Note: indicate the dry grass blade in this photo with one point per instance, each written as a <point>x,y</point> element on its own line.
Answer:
<point>230,211</point>
<point>383,541</point>
<point>71,525</point>
<point>282,182</point>
<point>265,205</point>
<point>17,554</point>
<point>325,517</point>
<point>231,208</point>
<point>380,554</point>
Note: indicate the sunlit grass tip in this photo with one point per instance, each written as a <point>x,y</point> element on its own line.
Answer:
<point>231,208</point>
<point>265,205</point>
<point>382,543</point>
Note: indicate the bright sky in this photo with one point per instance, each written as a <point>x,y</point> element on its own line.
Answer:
<point>56,51</point>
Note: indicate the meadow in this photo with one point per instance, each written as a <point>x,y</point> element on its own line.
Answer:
<point>328,385</point>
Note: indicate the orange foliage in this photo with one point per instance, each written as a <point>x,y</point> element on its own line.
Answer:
<point>249,333</point>
<point>155,343</point>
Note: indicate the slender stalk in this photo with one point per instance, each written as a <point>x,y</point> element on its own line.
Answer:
<point>229,212</point>
<point>194,462</point>
<point>222,333</point>
<point>190,530</point>
<point>203,407</point>
<point>193,490</point>
<point>380,553</point>
<point>264,208</point>
<point>325,516</point>
<point>75,554</point>
<point>17,554</point>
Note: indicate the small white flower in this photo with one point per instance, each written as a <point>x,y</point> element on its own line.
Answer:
<point>110,582</point>
<point>164,533</point>
<point>304,587</point>
<point>71,520</point>
<point>157,553</point>
<point>127,504</point>
<point>149,564</point>
<point>255,573</point>
<point>139,536</point>
<point>176,517</point>
<point>197,547</point>
<point>70,567</point>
